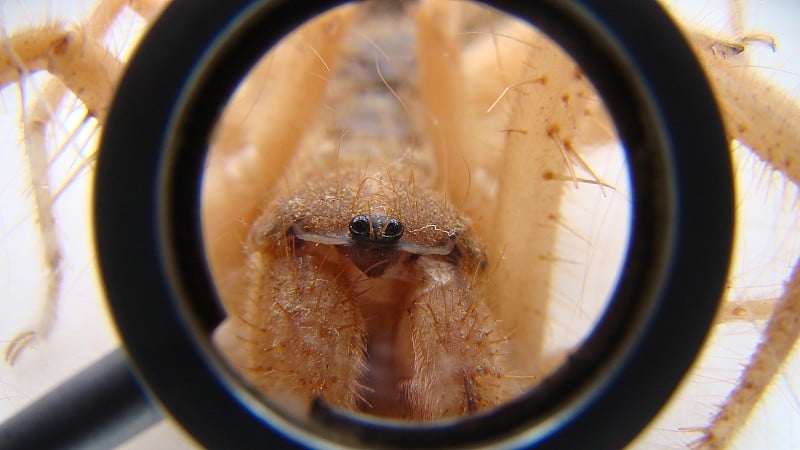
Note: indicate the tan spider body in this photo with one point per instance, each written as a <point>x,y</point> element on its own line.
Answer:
<point>484,95</point>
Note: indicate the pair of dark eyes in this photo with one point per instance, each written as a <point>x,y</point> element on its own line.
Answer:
<point>375,228</point>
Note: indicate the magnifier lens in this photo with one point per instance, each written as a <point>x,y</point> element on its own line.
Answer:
<point>413,211</point>
<point>404,207</point>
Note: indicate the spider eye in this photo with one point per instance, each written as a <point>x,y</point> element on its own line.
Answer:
<point>393,230</point>
<point>360,227</point>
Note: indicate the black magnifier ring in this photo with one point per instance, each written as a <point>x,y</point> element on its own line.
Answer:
<point>147,214</point>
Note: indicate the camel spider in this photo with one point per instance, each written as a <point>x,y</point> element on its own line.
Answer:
<point>70,135</point>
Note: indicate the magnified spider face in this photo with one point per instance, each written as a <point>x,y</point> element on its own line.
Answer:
<point>371,313</point>
<point>371,191</point>
<point>372,267</point>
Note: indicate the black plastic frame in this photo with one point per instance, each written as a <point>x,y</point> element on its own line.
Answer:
<point>162,298</point>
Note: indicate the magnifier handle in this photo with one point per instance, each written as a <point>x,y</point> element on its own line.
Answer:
<point>100,407</point>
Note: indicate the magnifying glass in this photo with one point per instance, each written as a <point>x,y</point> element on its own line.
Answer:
<point>165,303</point>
